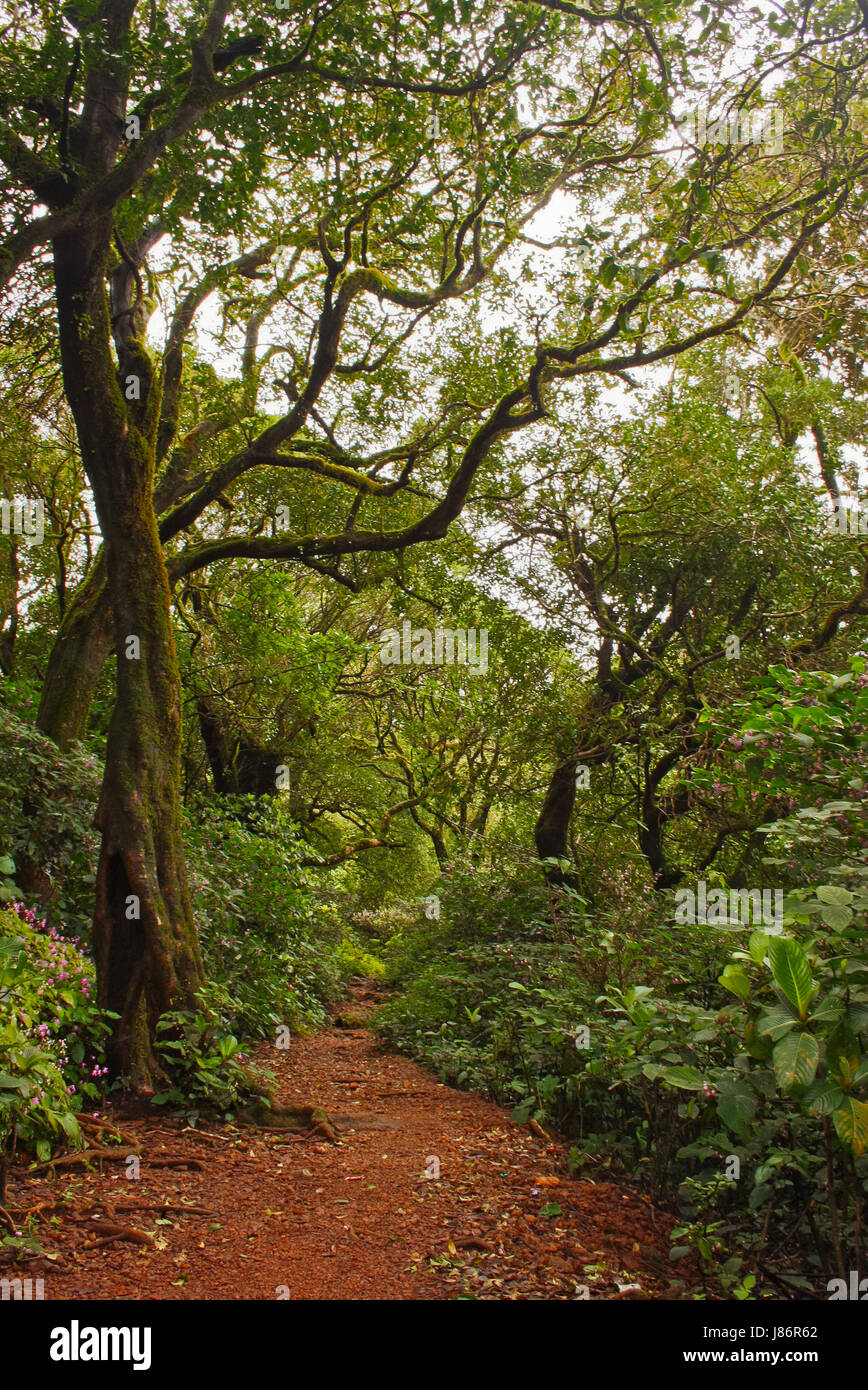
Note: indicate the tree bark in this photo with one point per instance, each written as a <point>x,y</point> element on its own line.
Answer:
<point>552,828</point>
<point>145,942</point>
<point>81,648</point>
<point>238,767</point>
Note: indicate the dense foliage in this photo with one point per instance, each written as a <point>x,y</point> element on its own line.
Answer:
<point>433,545</point>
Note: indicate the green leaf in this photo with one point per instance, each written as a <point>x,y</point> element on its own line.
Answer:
<point>791,972</point>
<point>758,946</point>
<point>831,893</point>
<point>822,1097</point>
<point>735,979</point>
<point>795,1060</point>
<point>759,1195</point>
<point>851,1125</point>
<point>552,1209</point>
<point>607,272</point>
<point>829,1011</point>
<point>837,918</point>
<point>70,1124</point>
<point>685,1078</point>
<point>736,1105</point>
<point>775,1023</point>
<point>7,864</point>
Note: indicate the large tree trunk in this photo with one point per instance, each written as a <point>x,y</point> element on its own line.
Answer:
<point>552,827</point>
<point>145,941</point>
<point>81,648</point>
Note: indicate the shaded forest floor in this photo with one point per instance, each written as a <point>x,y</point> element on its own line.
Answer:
<point>239,1213</point>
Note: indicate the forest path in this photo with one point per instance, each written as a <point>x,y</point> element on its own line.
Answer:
<point>288,1216</point>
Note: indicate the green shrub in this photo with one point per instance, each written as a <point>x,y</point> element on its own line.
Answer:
<point>676,1079</point>
<point>49,800</point>
<point>206,1064</point>
<point>264,939</point>
<point>50,1039</point>
<point>48,991</point>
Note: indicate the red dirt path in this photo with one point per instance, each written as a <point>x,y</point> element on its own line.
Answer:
<point>279,1215</point>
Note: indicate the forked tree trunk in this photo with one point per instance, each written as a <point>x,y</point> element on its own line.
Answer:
<point>145,941</point>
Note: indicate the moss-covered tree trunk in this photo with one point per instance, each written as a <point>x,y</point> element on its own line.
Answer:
<point>145,941</point>
<point>81,648</point>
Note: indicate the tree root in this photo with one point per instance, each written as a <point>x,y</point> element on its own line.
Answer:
<point>42,1207</point>
<point>162,1207</point>
<point>203,1134</point>
<point>175,1163</point>
<point>273,1118</point>
<point>103,1126</point>
<point>114,1232</point>
<point>115,1155</point>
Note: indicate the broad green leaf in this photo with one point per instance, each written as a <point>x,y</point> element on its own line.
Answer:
<point>736,1104</point>
<point>836,918</point>
<point>775,1023</point>
<point>759,1195</point>
<point>822,1097</point>
<point>791,972</point>
<point>851,1125</point>
<point>70,1125</point>
<point>685,1078</point>
<point>735,979</point>
<point>831,893</point>
<point>829,1011</point>
<point>795,1060</point>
